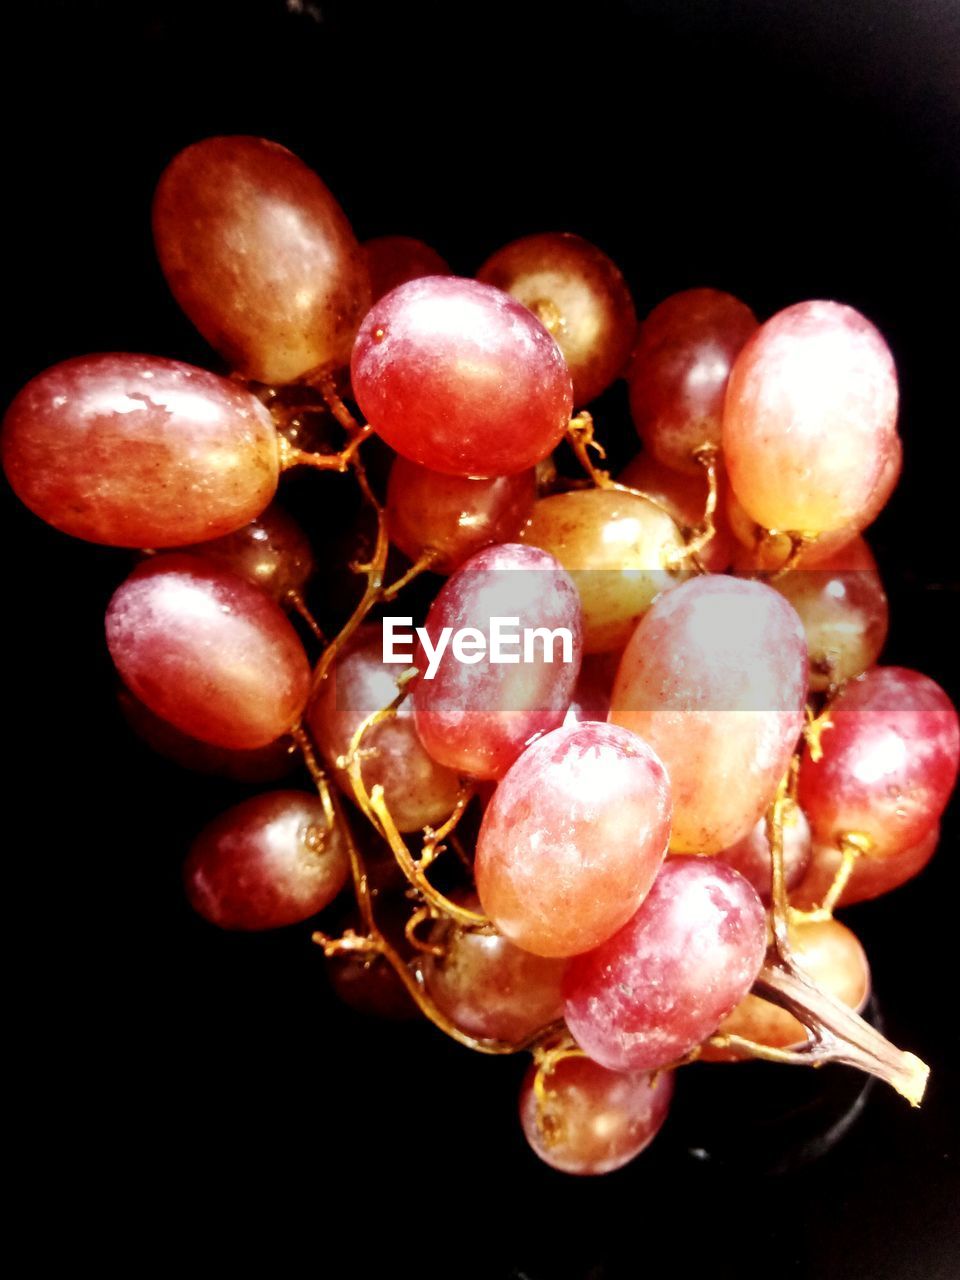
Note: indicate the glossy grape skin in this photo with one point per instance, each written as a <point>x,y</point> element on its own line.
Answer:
<point>393,260</point>
<point>829,953</point>
<point>593,1120</point>
<point>454,516</point>
<point>751,855</point>
<point>678,376</point>
<point>260,256</point>
<point>207,651</point>
<point>260,764</point>
<point>889,762</point>
<point>139,451</point>
<point>267,862</point>
<point>715,679</point>
<point>685,498</point>
<point>477,718</point>
<point>461,378</point>
<point>843,608</point>
<point>579,295</point>
<point>490,988</point>
<point>615,546</point>
<point>771,551</point>
<point>661,985</point>
<point>418,791</point>
<point>573,838</point>
<point>272,552</point>
<point>871,877</point>
<point>810,418</point>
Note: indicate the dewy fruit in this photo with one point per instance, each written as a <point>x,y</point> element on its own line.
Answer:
<point>649,781</point>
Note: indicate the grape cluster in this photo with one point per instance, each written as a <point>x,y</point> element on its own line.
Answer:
<point>643,843</point>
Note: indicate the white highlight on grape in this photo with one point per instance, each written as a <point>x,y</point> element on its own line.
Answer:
<point>505,643</point>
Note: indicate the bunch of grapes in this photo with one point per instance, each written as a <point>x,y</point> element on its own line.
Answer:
<point>640,841</point>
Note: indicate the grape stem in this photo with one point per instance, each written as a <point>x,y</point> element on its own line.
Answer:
<point>836,1033</point>
<point>296,602</point>
<point>374,807</point>
<point>580,434</point>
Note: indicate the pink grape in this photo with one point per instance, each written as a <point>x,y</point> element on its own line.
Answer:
<point>454,516</point>
<point>267,862</point>
<point>889,762</point>
<point>459,377</point>
<point>715,679</point>
<point>573,838</point>
<point>593,1121</point>
<point>393,260</point>
<point>138,451</point>
<point>810,419</point>
<point>272,552</point>
<point>579,295</point>
<point>751,855</point>
<point>418,791</point>
<point>477,717</point>
<point>490,988</point>
<point>679,372</point>
<point>871,877</point>
<point>260,256</point>
<point>207,651</point>
<point>660,986</point>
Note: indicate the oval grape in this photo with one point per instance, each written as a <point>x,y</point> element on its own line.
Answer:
<point>207,651</point>
<point>138,451</point>
<point>573,838</point>
<point>461,378</point>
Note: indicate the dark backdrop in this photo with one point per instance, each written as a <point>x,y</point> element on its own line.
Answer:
<point>174,1080</point>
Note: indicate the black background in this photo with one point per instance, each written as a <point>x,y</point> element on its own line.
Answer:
<point>188,1095</point>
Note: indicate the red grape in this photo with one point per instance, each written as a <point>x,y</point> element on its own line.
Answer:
<point>207,651</point>
<point>679,373</point>
<point>477,716</point>
<point>271,551</point>
<point>259,255</point>
<point>715,679</point>
<point>573,838</point>
<point>418,791</point>
<point>592,1120</point>
<point>872,874</point>
<point>488,987</point>
<point>393,260</point>
<point>660,986</point>
<point>889,762</point>
<point>267,862</point>
<point>454,516</point>
<point>138,451</point>
<point>461,378</point>
<point>810,419</point>
<point>577,293</point>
